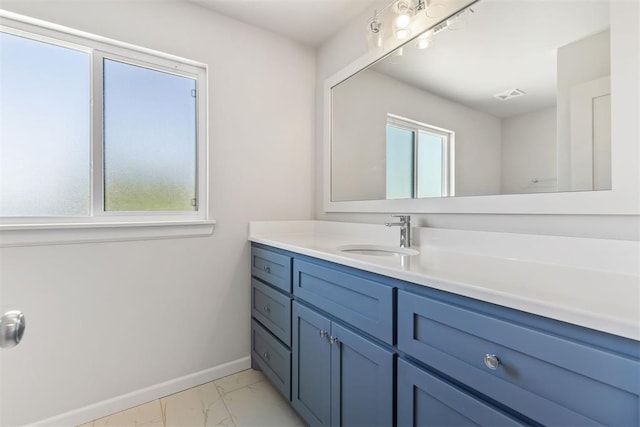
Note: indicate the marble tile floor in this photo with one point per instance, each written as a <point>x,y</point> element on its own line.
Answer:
<point>243,399</point>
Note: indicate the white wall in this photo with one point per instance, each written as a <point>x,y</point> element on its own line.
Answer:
<point>579,62</point>
<point>107,319</point>
<point>529,152</point>
<point>349,45</point>
<point>359,144</point>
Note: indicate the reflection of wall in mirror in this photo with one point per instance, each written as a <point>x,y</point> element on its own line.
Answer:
<point>579,63</point>
<point>529,152</point>
<point>360,108</point>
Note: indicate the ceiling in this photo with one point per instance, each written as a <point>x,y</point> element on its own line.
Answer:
<point>310,22</point>
<point>505,45</point>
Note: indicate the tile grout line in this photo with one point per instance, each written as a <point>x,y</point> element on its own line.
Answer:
<point>224,403</point>
<point>163,412</point>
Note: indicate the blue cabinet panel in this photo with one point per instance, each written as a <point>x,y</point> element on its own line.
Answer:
<point>363,303</point>
<point>425,400</point>
<point>552,380</point>
<point>272,357</point>
<point>361,382</point>
<point>271,267</point>
<point>272,309</point>
<point>311,366</point>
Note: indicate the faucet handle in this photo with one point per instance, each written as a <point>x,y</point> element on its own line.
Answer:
<point>403,218</point>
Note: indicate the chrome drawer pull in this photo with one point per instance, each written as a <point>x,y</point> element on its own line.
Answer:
<point>491,361</point>
<point>267,268</point>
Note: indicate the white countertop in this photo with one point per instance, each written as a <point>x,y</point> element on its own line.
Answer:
<point>593,283</point>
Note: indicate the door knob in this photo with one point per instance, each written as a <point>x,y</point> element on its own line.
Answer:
<point>12,325</point>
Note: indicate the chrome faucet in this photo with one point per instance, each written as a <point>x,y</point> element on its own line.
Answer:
<point>405,229</point>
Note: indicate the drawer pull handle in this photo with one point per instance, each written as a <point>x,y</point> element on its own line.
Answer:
<point>334,340</point>
<point>267,309</point>
<point>323,334</point>
<point>267,269</point>
<point>491,361</point>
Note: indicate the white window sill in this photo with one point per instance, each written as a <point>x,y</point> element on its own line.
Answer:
<point>60,234</point>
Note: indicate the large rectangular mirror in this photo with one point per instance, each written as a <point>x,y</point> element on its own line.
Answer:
<point>508,97</point>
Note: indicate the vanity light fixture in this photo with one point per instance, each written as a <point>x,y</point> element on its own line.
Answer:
<point>375,34</point>
<point>403,14</point>
<point>400,20</point>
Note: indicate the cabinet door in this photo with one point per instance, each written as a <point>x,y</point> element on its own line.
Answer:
<point>425,400</point>
<point>361,381</point>
<point>311,394</point>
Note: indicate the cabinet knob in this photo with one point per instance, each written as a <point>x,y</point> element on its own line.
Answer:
<point>266,355</point>
<point>12,325</point>
<point>267,309</point>
<point>334,340</point>
<point>323,334</point>
<point>267,268</point>
<point>491,361</point>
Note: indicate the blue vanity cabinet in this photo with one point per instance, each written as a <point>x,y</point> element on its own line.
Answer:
<point>271,316</point>
<point>339,377</point>
<point>370,350</point>
<point>426,400</point>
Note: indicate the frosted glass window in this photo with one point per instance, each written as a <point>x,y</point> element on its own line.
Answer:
<point>149,139</point>
<point>430,162</point>
<point>399,163</point>
<point>44,129</point>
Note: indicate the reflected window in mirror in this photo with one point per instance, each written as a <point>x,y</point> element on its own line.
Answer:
<point>418,159</point>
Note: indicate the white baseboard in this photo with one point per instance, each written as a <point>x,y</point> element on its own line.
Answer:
<point>138,397</point>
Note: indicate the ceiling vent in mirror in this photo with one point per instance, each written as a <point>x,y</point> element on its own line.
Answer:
<point>509,94</point>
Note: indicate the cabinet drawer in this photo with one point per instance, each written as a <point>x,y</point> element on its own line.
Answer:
<point>363,303</point>
<point>272,357</point>
<point>271,267</point>
<point>543,376</point>
<point>272,309</point>
<point>425,400</point>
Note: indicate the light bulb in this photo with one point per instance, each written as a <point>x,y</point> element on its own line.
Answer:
<point>403,14</point>
<point>423,43</point>
<point>403,21</point>
<point>403,33</point>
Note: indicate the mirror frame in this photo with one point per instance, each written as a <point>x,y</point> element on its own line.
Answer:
<point>623,199</point>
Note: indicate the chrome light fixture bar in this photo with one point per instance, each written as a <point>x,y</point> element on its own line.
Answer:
<point>399,16</point>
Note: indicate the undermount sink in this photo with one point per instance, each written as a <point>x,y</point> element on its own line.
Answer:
<point>377,250</point>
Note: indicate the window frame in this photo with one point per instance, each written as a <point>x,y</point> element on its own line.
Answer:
<point>448,151</point>
<point>100,48</point>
